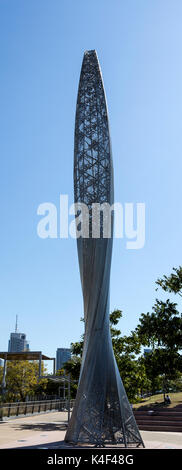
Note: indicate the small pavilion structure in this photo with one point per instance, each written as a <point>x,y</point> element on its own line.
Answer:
<point>25,356</point>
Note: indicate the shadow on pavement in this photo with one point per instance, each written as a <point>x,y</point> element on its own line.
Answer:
<point>49,445</point>
<point>40,427</point>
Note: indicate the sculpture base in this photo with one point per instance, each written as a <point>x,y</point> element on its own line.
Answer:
<point>102,414</point>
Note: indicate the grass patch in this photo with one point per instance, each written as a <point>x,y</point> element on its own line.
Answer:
<point>155,401</point>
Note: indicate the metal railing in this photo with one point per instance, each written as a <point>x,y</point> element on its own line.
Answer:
<point>8,410</point>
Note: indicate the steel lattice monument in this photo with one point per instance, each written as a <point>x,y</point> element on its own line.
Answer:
<point>102,413</point>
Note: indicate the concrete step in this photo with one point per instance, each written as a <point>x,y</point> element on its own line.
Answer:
<point>159,411</point>
<point>160,423</point>
<point>149,427</point>
<point>159,417</point>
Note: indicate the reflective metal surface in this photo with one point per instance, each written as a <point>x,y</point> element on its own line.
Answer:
<point>102,413</point>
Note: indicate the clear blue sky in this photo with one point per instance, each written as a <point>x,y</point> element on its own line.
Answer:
<point>139,44</point>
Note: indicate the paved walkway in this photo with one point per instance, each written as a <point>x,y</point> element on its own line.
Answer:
<point>48,430</point>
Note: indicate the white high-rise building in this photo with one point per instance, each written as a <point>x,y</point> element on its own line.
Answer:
<point>18,341</point>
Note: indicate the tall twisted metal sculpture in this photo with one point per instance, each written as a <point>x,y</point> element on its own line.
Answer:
<point>102,413</point>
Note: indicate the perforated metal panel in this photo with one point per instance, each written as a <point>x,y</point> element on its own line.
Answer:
<point>102,413</point>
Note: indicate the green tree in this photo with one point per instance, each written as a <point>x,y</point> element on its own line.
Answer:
<point>22,379</point>
<point>172,283</point>
<point>130,365</point>
<point>161,330</point>
<point>162,368</point>
<point>161,327</point>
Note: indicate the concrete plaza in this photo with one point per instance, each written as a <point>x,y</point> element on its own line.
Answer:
<point>47,430</point>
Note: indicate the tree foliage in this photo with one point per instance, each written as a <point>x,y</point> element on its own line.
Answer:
<point>22,379</point>
<point>172,283</point>
<point>161,327</point>
<point>161,330</point>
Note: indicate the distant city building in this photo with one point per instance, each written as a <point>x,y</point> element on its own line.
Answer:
<point>147,351</point>
<point>62,355</point>
<point>17,341</point>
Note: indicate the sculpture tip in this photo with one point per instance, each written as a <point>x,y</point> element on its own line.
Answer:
<point>90,52</point>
